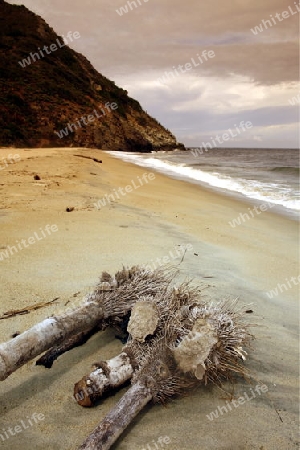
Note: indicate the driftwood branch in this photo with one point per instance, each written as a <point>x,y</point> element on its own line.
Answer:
<point>48,358</point>
<point>116,421</point>
<point>27,309</point>
<point>54,330</point>
<point>107,376</point>
<point>113,298</point>
<point>90,157</point>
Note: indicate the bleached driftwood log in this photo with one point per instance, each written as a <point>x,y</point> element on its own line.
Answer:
<point>54,330</point>
<point>77,340</point>
<point>112,299</point>
<point>106,376</point>
<point>135,399</point>
<point>111,374</point>
<point>155,380</point>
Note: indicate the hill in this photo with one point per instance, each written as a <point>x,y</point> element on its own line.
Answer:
<point>51,96</point>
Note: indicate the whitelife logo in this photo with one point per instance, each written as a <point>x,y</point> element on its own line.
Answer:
<point>159,444</point>
<point>236,403</point>
<point>33,57</point>
<point>176,72</point>
<point>224,137</point>
<point>284,287</point>
<point>146,177</point>
<point>10,159</point>
<point>173,254</point>
<point>85,120</point>
<point>279,17</point>
<point>132,5</point>
<point>243,217</point>
<point>25,243</point>
<point>12,431</point>
<point>294,100</point>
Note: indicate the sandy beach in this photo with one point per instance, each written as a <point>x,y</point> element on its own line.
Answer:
<point>61,254</point>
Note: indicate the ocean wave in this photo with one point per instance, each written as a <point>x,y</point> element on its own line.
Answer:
<point>286,170</point>
<point>269,192</point>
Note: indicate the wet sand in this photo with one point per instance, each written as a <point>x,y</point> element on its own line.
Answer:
<point>151,221</point>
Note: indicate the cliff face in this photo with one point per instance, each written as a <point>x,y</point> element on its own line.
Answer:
<point>51,95</point>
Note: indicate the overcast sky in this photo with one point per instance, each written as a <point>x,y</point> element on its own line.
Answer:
<point>252,77</point>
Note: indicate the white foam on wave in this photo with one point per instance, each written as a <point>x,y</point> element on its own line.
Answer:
<point>267,192</point>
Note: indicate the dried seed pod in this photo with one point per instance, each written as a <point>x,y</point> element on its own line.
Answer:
<point>195,347</point>
<point>143,320</point>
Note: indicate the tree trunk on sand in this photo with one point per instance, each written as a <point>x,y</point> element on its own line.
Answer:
<point>52,331</point>
<point>79,339</point>
<point>108,375</point>
<point>117,420</point>
<point>112,299</point>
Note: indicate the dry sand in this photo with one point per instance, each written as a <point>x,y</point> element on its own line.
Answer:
<point>146,224</point>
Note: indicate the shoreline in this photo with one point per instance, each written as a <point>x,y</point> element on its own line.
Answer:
<point>279,209</point>
<point>153,221</point>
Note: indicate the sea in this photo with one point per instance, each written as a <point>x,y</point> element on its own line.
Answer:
<point>256,175</point>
